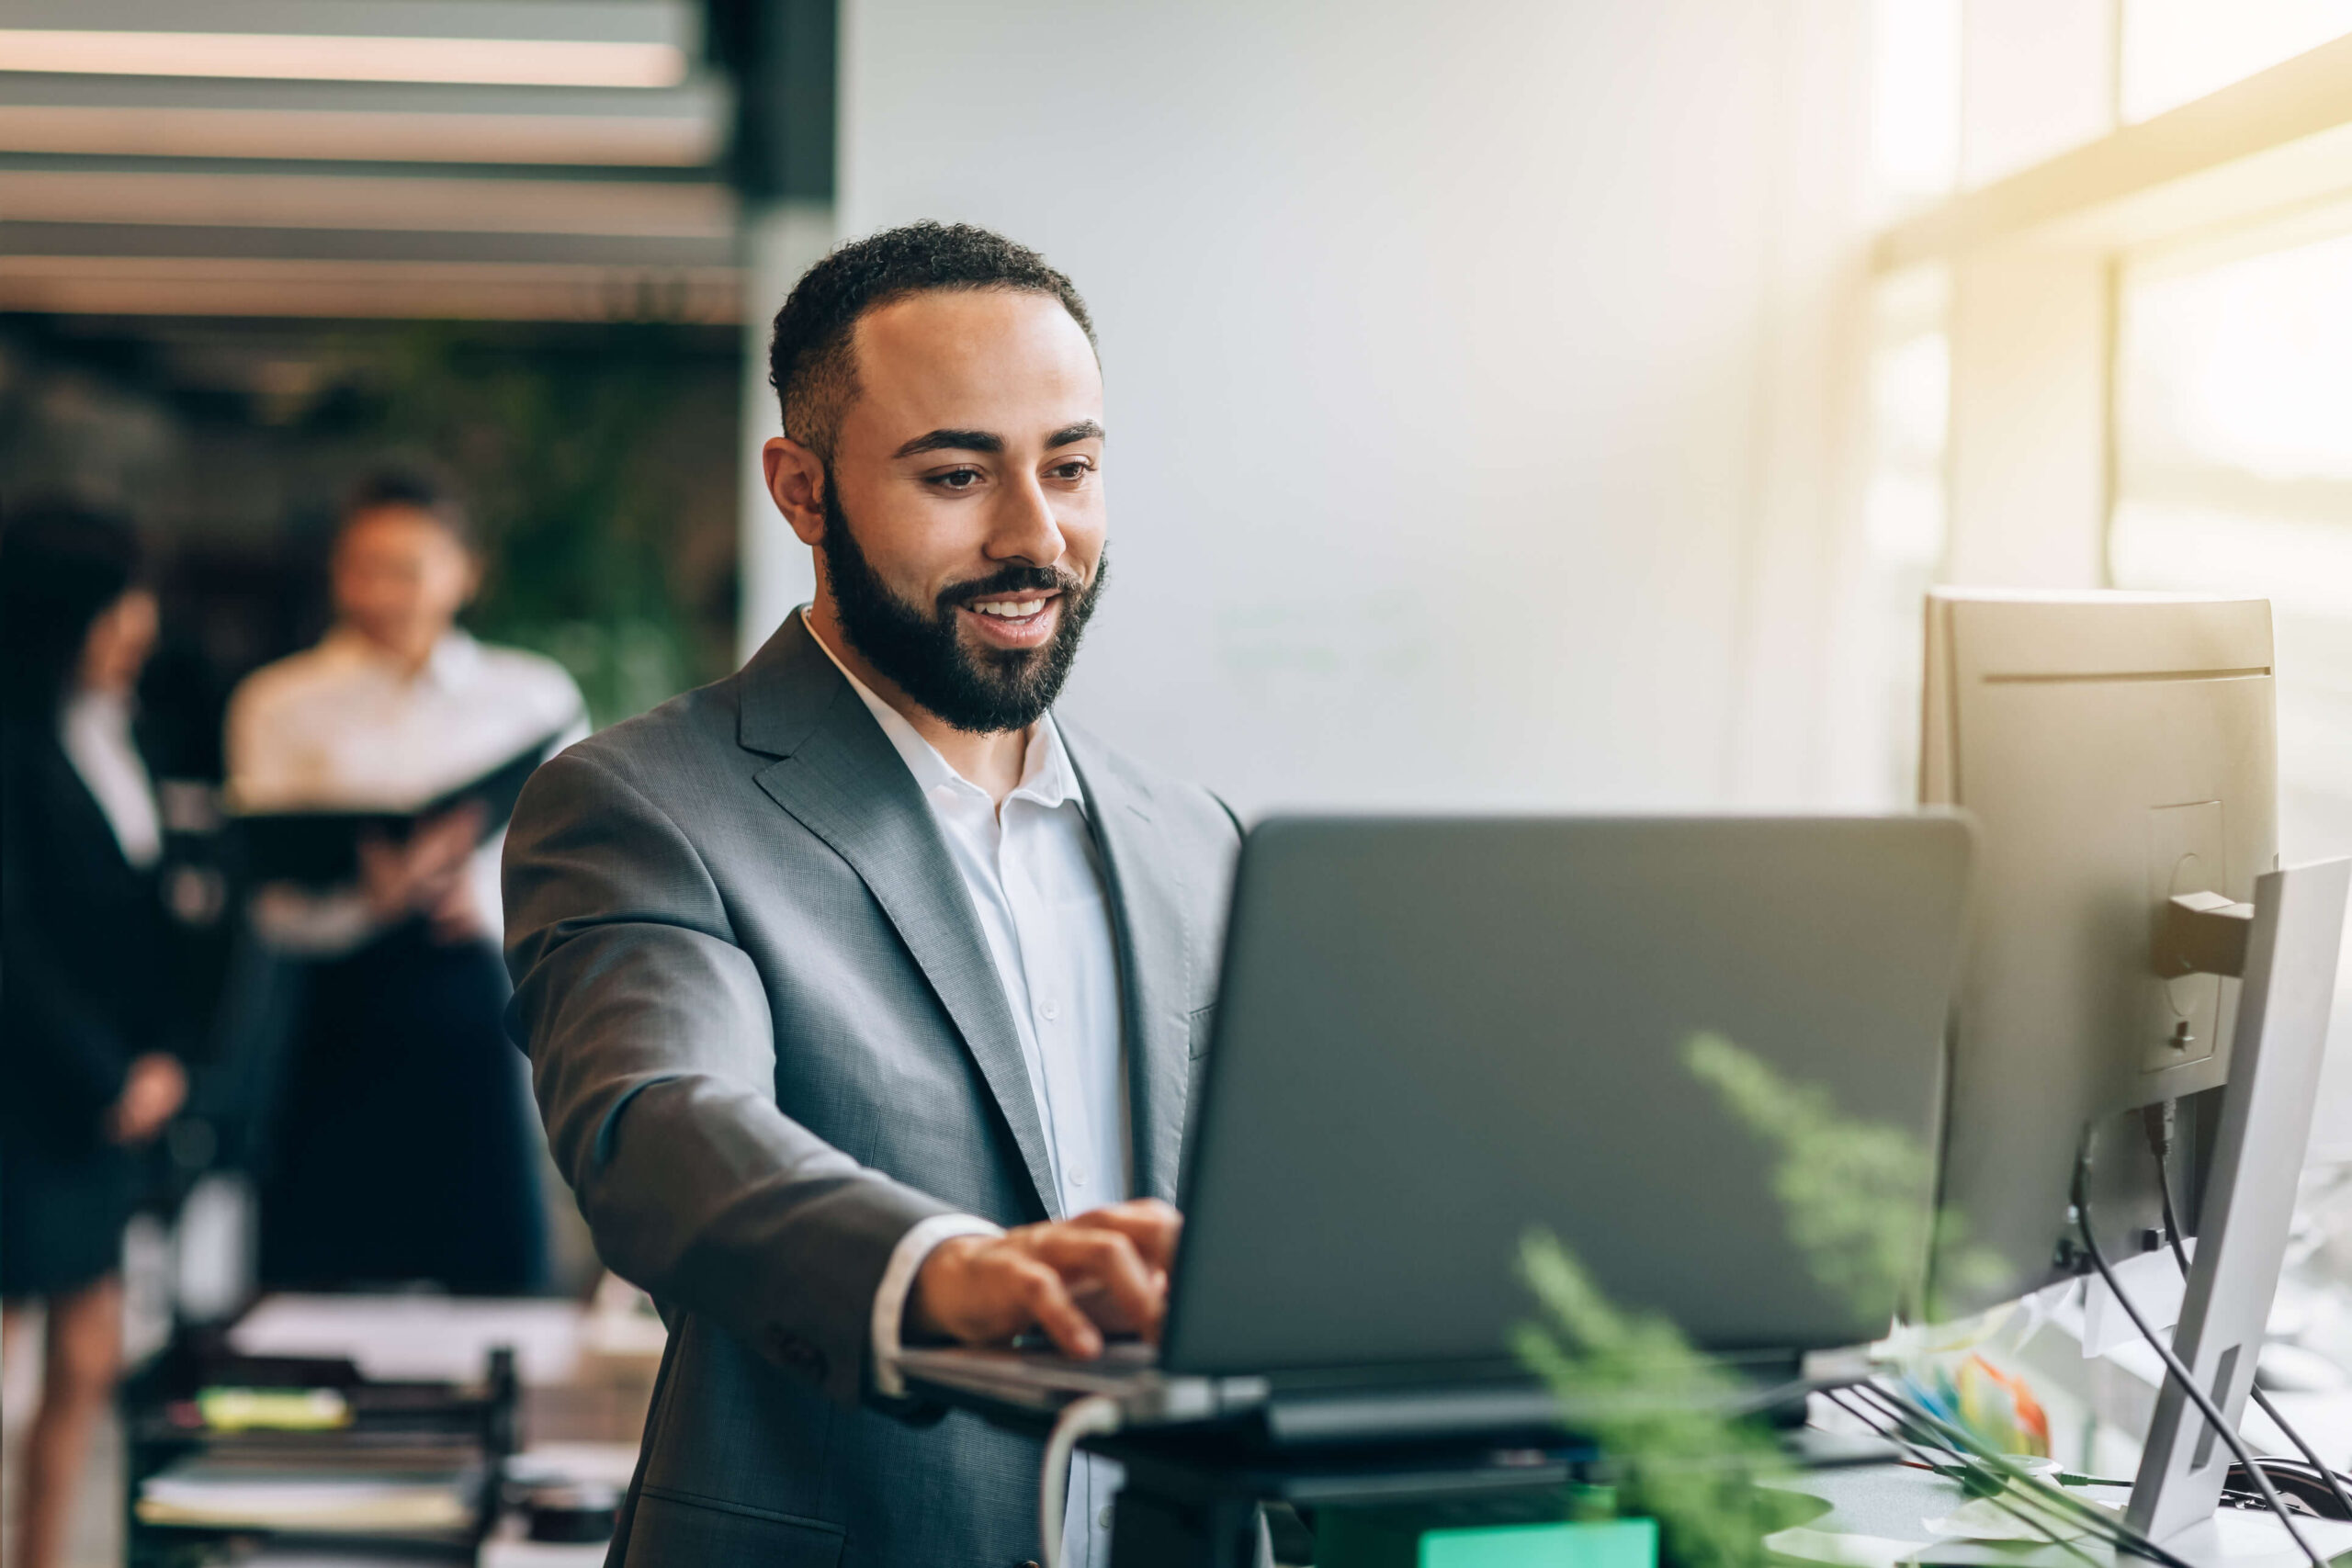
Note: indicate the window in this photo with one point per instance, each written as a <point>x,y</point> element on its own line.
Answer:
<point>2115,352</point>
<point>1915,101</point>
<point>2176,50</point>
<point>2234,473</point>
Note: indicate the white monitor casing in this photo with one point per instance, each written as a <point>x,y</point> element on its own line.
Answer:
<point>2116,749</point>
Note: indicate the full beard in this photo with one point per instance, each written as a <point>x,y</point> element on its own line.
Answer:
<point>984,691</point>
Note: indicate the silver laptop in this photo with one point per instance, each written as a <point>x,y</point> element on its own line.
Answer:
<point>1436,1033</point>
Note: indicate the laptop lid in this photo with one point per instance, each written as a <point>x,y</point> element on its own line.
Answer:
<point>1434,1034</point>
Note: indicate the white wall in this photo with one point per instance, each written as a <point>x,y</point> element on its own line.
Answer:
<point>1475,371</point>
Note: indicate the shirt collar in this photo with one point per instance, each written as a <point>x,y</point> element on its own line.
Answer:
<point>452,662</point>
<point>1047,776</point>
<point>108,711</point>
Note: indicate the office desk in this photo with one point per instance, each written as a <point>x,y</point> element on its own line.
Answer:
<point>1878,1516</point>
<point>1192,1493</point>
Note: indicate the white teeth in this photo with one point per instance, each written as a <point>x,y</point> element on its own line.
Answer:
<point>1011,611</point>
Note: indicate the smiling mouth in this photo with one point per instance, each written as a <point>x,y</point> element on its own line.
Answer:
<point>1010,609</point>
<point>1016,614</point>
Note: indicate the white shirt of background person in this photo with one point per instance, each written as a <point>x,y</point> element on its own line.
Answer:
<point>340,725</point>
<point>392,708</point>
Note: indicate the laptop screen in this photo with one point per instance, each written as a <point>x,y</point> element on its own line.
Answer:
<point>1435,1034</point>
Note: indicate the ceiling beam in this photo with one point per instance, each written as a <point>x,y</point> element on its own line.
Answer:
<point>265,286</point>
<point>370,121</point>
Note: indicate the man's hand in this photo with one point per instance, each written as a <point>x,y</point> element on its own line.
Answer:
<point>417,876</point>
<point>457,916</point>
<point>153,1092</point>
<point>1104,1271</point>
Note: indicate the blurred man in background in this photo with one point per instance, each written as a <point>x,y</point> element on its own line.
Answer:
<point>402,1148</point>
<point>88,1024</point>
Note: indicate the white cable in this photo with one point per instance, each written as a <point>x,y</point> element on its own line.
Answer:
<point>1091,1416</point>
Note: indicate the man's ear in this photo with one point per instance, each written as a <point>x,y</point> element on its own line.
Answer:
<point>796,478</point>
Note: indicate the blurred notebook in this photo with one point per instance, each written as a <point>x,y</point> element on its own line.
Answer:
<point>321,848</point>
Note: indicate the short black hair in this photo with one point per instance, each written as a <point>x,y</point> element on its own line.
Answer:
<point>411,484</point>
<point>812,364</point>
<point>61,565</point>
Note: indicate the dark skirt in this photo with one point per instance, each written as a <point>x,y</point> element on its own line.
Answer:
<point>405,1149</point>
<point>62,1214</point>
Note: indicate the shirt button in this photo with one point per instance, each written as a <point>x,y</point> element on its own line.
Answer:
<point>1077,1179</point>
<point>1104,1518</point>
<point>1052,1011</point>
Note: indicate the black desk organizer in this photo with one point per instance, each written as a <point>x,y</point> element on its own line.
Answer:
<point>425,1427</point>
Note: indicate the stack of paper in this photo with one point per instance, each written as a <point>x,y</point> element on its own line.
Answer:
<point>238,1497</point>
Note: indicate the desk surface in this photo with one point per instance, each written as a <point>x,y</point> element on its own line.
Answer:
<point>1877,1514</point>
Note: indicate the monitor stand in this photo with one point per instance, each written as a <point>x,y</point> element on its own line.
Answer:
<point>2286,994</point>
<point>2290,939</point>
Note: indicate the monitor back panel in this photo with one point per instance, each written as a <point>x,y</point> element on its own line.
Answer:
<point>1435,1034</point>
<point>2114,749</point>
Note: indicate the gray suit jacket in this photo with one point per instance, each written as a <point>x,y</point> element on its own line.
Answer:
<point>767,1039</point>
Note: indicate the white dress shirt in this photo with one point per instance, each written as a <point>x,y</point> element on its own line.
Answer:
<point>343,725</point>
<point>1035,879</point>
<point>94,728</point>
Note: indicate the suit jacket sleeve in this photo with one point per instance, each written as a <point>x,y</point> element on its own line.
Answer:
<point>65,1049</point>
<point>654,1055</point>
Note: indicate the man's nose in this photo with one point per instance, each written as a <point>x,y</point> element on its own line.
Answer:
<point>1025,527</point>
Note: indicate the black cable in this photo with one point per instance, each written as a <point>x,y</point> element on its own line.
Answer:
<point>1978,1455</point>
<point>2187,1381</point>
<point>1894,1434</point>
<point>2160,1145</point>
<point>1969,1449</point>
<point>1990,1467</point>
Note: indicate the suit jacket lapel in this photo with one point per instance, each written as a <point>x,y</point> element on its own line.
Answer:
<point>837,773</point>
<point>1155,944</point>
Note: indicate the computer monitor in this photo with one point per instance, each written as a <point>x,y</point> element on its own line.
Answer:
<point>2116,749</point>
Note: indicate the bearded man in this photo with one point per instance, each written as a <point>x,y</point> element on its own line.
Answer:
<point>863,995</point>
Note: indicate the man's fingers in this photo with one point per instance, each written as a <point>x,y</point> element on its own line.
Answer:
<point>1048,1302</point>
<point>1149,1224</point>
<point>1107,1268</point>
<point>1108,1261</point>
<point>448,842</point>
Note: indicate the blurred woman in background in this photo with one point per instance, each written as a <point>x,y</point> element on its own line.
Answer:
<point>87,1020</point>
<point>404,1147</point>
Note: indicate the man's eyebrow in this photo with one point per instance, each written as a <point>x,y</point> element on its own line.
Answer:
<point>1084,430</point>
<point>952,440</point>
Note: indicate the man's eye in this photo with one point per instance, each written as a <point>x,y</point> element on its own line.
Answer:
<point>1072,470</point>
<point>957,478</point>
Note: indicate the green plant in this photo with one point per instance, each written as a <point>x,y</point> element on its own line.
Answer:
<point>1857,1195</point>
<point>1657,1410</point>
<point>1857,1198</point>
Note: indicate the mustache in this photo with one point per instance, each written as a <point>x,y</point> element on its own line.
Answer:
<point>1013,579</point>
